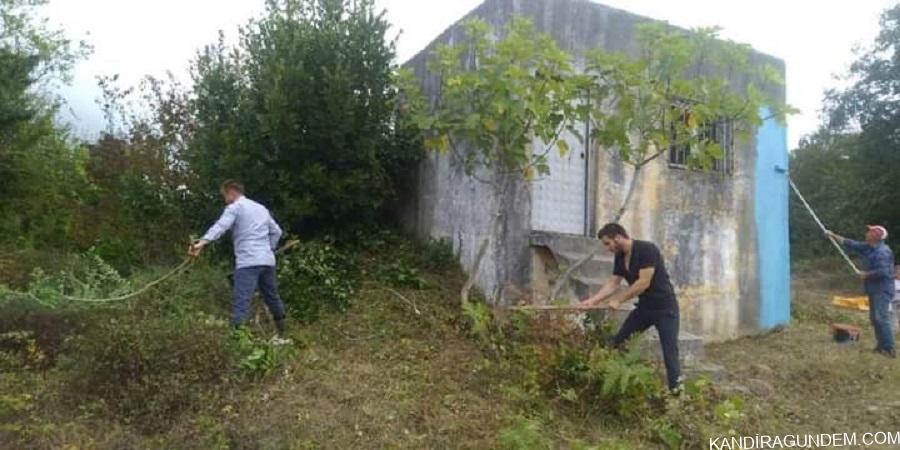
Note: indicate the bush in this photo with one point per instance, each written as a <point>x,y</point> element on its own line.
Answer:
<point>258,358</point>
<point>148,372</point>
<point>438,255</point>
<point>402,275</point>
<point>32,335</point>
<point>523,434</point>
<point>309,75</point>
<point>698,413</point>
<point>626,381</point>
<point>316,278</point>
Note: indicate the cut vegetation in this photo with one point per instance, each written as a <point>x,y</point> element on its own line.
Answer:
<point>403,367</point>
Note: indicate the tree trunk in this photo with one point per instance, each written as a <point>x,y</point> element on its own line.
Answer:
<point>563,279</point>
<point>496,234</point>
<point>631,189</point>
<point>473,271</point>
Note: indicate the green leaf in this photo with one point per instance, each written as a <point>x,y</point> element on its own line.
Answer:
<point>563,147</point>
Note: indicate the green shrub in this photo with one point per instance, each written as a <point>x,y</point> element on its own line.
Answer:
<point>625,380</point>
<point>308,75</point>
<point>20,349</point>
<point>256,357</point>
<point>316,278</point>
<point>523,434</point>
<point>148,371</point>
<point>438,256</point>
<point>481,322</point>
<point>402,275</point>
<point>698,413</point>
<point>13,405</point>
<point>32,335</point>
<point>87,276</point>
<point>666,433</point>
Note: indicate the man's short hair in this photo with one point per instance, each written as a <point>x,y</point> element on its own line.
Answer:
<point>611,230</point>
<point>229,185</point>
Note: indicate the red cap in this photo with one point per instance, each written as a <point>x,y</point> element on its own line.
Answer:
<point>880,231</point>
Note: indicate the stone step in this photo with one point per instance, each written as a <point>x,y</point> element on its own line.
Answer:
<point>585,286</point>
<point>599,264</point>
<point>566,243</point>
<point>569,250</point>
<point>690,346</point>
<point>693,370</point>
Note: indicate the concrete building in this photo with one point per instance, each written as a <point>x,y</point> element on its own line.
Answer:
<point>724,233</point>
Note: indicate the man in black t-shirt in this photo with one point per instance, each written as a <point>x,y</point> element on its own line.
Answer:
<point>641,265</point>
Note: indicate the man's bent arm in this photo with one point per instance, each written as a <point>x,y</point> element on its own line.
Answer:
<point>609,288</point>
<point>849,244</point>
<point>222,225</point>
<point>274,233</point>
<point>856,246</point>
<point>645,276</point>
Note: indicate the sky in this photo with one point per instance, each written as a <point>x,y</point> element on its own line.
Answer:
<point>135,38</point>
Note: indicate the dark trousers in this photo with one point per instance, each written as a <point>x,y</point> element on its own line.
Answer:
<point>246,280</point>
<point>666,322</point>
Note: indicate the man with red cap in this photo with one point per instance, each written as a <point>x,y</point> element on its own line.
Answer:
<point>878,277</point>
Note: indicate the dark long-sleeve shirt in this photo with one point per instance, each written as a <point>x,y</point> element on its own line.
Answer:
<point>878,261</point>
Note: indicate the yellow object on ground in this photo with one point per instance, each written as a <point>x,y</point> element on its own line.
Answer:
<point>857,303</point>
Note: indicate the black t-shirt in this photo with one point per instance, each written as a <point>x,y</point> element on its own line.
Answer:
<point>660,294</point>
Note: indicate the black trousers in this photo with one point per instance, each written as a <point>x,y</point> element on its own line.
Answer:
<point>666,322</point>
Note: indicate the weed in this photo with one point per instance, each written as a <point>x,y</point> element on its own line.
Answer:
<point>401,275</point>
<point>523,434</point>
<point>147,373</point>
<point>481,322</point>
<point>666,433</point>
<point>438,255</point>
<point>12,405</point>
<point>317,278</point>
<point>258,358</point>
<point>626,381</point>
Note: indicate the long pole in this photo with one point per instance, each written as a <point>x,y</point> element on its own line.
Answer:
<point>587,171</point>
<point>822,226</point>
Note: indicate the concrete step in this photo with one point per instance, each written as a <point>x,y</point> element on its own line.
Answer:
<point>716,373</point>
<point>585,286</point>
<point>569,250</point>
<point>690,346</point>
<point>590,276</point>
<point>599,264</point>
<point>568,243</point>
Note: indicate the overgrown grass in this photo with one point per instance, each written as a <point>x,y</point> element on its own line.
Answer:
<point>798,380</point>
<point>401,366</point>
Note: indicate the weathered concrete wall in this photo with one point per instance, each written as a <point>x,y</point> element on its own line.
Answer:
<point>705,223</point>
<point>444,202</point>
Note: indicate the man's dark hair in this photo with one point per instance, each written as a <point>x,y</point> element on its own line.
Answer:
<point>228,185</point>
<point>611,230</point>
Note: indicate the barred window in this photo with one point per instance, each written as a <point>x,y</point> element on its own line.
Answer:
<point>720,132</point>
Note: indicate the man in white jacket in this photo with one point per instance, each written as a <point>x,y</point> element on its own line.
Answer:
<point>895,304</point>
<point>255,235</point>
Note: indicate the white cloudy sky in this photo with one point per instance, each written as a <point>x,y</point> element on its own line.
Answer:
<point>134,38</point>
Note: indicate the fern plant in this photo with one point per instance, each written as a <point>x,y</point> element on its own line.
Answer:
<point>481,320</point>
<point>523,434</point>
<point>625,380</point>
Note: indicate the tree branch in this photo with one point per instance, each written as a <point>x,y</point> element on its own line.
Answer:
<point>631,189</point>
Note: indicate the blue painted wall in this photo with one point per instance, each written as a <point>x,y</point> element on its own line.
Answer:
<point>771,209</point>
